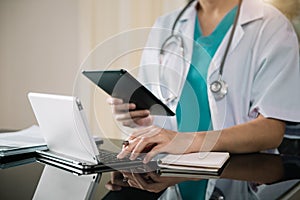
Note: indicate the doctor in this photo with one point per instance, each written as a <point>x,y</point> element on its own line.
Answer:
<point>230,71</point>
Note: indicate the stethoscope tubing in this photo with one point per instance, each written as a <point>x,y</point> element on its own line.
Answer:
<point>219,87</point>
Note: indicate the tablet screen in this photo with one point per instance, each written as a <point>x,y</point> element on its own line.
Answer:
<point>121,84</point>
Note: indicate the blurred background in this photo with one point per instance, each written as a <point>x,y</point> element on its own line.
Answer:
<point>44,42</point>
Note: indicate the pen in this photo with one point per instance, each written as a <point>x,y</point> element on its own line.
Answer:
<point>125,143</point>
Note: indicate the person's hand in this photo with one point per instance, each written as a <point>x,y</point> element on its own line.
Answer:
<point>150,181</point>
<point>127,115</point>
<point>156,140</point>
<point>116,182</point>
<point>145,179</point>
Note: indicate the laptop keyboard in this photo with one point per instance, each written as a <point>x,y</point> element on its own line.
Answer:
<point>111,157</point>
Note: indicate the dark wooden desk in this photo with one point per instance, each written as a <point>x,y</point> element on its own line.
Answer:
<point>277,175</point>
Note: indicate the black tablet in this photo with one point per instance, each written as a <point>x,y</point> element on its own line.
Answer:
<point>121,84</point>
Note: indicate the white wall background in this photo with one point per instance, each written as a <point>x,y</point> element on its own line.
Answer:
<point>38,52</point>
<point>43,42</point>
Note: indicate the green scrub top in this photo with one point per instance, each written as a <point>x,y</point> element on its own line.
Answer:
<point>192,112</point>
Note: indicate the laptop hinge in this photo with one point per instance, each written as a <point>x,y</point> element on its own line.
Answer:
<point>79,105</point>
<point>98,158</point>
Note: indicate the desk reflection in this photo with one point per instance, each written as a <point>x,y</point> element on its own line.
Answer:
<point>247,176</point>
<point>56,183</point>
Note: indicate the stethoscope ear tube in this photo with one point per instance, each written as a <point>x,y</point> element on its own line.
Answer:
<point>219,88</point>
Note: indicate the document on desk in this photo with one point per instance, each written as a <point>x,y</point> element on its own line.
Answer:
<point>24,141</point>
<point>202,162</point>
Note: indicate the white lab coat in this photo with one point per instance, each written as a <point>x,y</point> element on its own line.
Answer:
<point>261,70</point>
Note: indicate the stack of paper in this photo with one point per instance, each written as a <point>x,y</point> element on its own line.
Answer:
<point>24,141</point>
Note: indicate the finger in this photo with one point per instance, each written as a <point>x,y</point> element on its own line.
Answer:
<point>130,179</point>
<point>121,108</point>
<point>138,114</point>
<point>123,117</point>
<point>147,121</point>
<point>154,151</point>
<point>132,116</point>
<point>138,149</point>
<point>127,175</point>
<point>117,179</point>
<point>133,184</point>
<point>114,101</point>
<point>148,140</point>
<point>113,187</point>
<point>141,132</point>
<point>127,149</point>
<point>139,180</point>
<point>124,152</point>
<point>137,122</point>
<point>108,185</point>
<point>133,142</point>
<point>130,123</point>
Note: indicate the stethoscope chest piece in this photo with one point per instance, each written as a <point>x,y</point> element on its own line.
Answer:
<point>219,88</point>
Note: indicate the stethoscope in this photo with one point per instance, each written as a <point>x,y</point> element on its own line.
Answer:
<point>219,87</point>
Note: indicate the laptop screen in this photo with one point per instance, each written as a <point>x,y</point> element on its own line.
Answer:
<point>64,126</point>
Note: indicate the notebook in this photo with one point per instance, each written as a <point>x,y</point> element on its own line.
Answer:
<point>201,163</point>
<point>65,129</point>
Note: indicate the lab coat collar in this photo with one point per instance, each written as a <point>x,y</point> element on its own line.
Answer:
<point>251,10</point>
<point>186,16</point>
<point>187,32</point>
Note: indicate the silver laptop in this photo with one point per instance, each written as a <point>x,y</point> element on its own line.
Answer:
<point>64,126</point>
